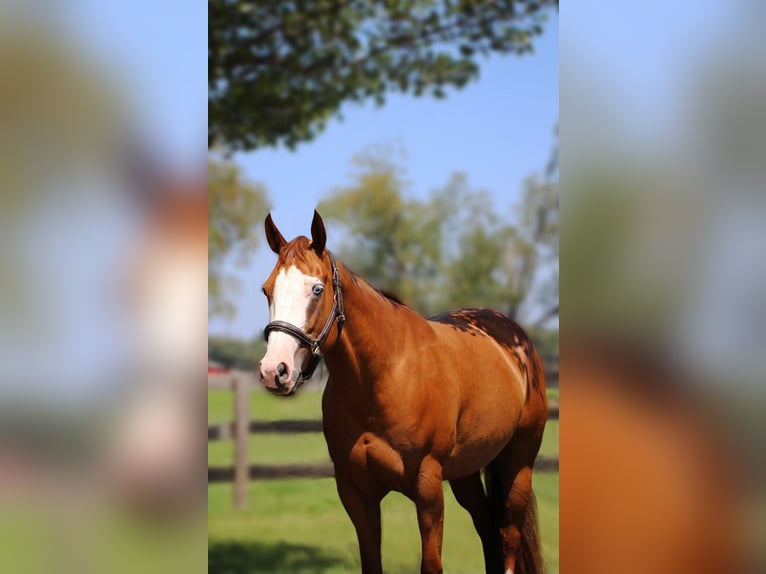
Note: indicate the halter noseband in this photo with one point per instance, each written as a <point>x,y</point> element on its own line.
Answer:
<point>304,339</point>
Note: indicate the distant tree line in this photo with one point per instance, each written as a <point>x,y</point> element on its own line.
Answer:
<point>236,353</point>
<point>454,248</point>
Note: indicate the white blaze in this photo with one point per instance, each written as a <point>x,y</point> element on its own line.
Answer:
<point>289,303</point>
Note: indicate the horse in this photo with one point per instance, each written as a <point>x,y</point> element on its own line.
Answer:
<point>410,403</point>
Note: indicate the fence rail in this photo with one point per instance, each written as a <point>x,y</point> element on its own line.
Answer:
<point>225,431</point>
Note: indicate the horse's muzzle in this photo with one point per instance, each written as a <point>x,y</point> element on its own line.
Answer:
<point>280,380</point>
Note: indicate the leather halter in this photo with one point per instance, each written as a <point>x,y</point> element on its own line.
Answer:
<point>307,341</point>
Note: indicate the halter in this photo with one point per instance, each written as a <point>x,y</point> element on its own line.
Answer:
<point>304,339</point>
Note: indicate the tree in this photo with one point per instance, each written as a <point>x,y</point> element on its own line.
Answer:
<point>453,249</point>
<point>539,225</point>
<point>277,71</point>
<point>475,240</point>
<point>539,228</point>
<point>236,210</point>
<point>395,238</point>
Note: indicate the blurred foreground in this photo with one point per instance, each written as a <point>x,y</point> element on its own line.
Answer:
<point>663,280</point>
<point>102,316</point>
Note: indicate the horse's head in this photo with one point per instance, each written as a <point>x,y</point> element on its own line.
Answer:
<point>305,300</point>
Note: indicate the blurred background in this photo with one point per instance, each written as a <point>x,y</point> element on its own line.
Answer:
<point>662,282</point>
<point>103,213</point>
<point>425,133</point>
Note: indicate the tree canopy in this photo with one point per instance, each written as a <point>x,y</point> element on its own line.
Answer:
<point>277,71</point>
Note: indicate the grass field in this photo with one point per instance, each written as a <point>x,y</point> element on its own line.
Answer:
<point>299,525</point>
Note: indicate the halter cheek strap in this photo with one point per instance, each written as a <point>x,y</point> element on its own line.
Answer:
<point>306,340</point>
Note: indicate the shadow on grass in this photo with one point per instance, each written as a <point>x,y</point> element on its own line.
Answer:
<point>271,558</point>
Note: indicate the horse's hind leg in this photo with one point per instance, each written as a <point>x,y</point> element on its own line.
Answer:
<point>510,487</point>
<point>469,492</point>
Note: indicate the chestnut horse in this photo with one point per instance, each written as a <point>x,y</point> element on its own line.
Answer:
<point>411,402</point>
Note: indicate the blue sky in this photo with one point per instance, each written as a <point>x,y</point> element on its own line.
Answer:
<point>497,130</point>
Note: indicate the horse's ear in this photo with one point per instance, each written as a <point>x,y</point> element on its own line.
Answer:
<point>318,234</point>
<point>273,236</point>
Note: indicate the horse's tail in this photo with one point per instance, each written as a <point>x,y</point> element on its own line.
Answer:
<point>529,559</point>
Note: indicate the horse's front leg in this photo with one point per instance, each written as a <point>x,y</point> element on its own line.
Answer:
<point>429,501</point>
<point>364,511</point>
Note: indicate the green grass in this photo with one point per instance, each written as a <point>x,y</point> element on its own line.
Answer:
<point>299,525</point>
<point>264,406</point>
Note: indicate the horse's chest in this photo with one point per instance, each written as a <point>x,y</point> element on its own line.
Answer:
<point>369,458</point>
<point>385,447</point>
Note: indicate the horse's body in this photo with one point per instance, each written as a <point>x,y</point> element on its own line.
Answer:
<point>410,403</point>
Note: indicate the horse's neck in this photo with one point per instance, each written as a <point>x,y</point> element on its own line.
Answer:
<point>374,328</point>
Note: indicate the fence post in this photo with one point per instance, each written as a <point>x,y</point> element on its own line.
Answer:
<point>241,433</point>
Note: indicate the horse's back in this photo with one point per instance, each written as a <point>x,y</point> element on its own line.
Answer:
<point>502,386</point>
<point>506,334</point>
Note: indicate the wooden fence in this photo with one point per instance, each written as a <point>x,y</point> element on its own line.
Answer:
<point>243,472</point>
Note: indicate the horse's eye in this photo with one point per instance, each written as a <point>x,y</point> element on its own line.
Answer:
<point>318,289</point>
<point>264,292</point>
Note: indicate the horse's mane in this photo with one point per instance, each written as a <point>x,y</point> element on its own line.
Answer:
<point>390,297</point>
